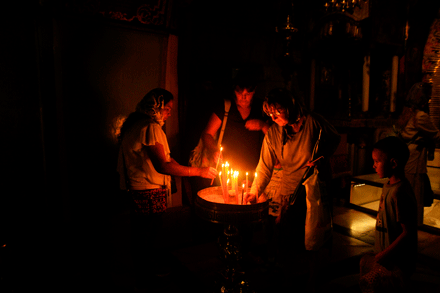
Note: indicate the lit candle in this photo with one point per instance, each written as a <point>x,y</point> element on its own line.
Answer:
<point>242,194</point>
<point>236,183</point>
<point>223,174</point>
<point>232,179</point>
<point>247,184</point>
<point>256,184</point>
<point>224,186</point>
<point>218,161</point>
<point>220,178</point>
<point>226,192</point>
<point>227,172</point>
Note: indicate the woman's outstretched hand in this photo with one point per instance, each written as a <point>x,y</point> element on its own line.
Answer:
<point>252,198</point>
<point>256,125</point>
<point>249,198</point>
<point>208,172</point>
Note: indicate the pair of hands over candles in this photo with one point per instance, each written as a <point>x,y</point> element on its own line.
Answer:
<point>252,199</point>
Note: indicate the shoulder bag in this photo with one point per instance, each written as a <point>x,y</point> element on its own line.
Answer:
<point>199,155</point>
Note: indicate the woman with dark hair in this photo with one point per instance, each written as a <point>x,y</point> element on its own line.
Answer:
<point>245,127</point>
<point>243,134</point>
<point>145,168</point>
<point>419,133</point>
<point>291,140</point>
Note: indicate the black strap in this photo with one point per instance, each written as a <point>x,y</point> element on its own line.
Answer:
<point>307,173</point>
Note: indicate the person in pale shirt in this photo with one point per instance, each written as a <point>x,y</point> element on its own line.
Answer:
<point>416,128</point>
<point>291,142</point>
<point>145,167</point>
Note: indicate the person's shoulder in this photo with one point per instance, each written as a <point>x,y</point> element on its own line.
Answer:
<point>219,104</point>
<point>153,126</point>
<point>274,129</point>
<point>314,118</point>
<point>403,189</point>
<point>318,118</point>
<point>317,121</point>
<point>421,115</point>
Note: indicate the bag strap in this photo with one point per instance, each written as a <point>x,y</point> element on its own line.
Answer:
<point>225,118</point>
<point>307,173</point>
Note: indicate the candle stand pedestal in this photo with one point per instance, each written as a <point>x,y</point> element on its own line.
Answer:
<point>210,206</point>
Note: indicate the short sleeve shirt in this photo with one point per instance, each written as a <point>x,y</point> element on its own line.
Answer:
<point>397,205</point>
<point>241,147</point>
<point>140,170</point>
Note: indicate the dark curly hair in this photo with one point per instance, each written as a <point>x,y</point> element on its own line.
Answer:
<point>287,100</point>
<point>150,103</point>
<point>394,148</point>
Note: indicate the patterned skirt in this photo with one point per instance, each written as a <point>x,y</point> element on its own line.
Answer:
<point>149,201</point>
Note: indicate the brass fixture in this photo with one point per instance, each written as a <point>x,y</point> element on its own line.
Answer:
<point>347,6</point>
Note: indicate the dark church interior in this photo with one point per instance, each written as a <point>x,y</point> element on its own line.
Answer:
<point>72,70</point>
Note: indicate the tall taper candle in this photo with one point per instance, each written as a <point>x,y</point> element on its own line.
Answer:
<point>247,183</point>
<point>242,194</point>
<point>256,184</point>
<point>218,160</point>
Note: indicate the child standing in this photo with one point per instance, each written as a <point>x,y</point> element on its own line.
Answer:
<point>395,246</point>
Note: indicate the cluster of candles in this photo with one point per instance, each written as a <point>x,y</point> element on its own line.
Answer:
<point>229,183</point>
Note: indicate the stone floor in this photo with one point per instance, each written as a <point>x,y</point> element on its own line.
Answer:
<point>97,259</point>
<point>197,267</point>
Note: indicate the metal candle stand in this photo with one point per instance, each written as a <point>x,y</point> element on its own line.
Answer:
<point>233,276</point>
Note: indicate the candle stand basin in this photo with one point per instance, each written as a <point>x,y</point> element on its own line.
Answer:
<point>210,206</point>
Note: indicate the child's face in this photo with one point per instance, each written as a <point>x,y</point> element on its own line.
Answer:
<point>382,164</point>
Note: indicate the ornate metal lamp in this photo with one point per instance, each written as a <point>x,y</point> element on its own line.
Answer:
<point>287,29</point>
<point>343,5</point>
